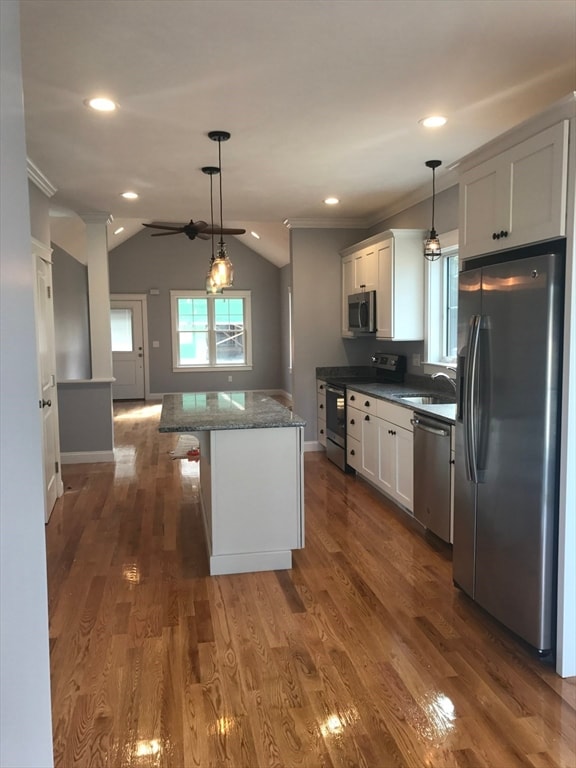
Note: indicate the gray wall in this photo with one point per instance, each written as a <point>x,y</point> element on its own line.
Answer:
<point>285,286</point>
<point>316,317</point>
<point>80,432</point>
<point>71,320</point>
<point>317,300</point>
<point>144,262</point>
<point>26,730</point>
<point>39,214</point>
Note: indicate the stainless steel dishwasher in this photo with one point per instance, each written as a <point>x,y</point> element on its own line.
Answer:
<point>432,474</point>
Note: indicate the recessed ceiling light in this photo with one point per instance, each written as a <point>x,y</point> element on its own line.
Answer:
<point>100,104</point>
<point>117,231</point>
<point>331,201</point>
<point>256,235</point>
<point>434,121</point>
<point>130,195</point>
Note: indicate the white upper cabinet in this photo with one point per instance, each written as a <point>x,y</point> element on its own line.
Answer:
<point>392,264</point>
<point>517,197</point>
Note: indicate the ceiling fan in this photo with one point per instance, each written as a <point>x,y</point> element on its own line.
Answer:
<point>202,229</point>
<point>193,230</point>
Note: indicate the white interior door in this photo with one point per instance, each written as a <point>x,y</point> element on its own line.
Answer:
<point>47,386</point>
<point>126,321</point>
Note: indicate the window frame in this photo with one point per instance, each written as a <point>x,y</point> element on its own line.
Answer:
<point>435,340</point>
<point>246,296</point>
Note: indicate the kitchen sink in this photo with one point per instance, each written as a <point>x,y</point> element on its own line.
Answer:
<point>427,399</point>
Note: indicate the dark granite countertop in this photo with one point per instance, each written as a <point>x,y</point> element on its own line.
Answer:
<point>207,411</point>
<point>358,378</point>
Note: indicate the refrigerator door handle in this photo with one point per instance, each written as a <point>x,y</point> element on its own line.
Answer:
<point>470,398</point>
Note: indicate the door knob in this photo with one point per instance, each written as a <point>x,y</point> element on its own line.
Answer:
<point>46,403</point>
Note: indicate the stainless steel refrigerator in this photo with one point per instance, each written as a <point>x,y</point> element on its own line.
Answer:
<point>507,438</point>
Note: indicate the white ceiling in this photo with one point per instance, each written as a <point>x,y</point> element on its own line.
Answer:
<point>322,97</point>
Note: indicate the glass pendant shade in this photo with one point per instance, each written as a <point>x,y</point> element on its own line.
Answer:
<point>432,249</point>
<point>222,270</point>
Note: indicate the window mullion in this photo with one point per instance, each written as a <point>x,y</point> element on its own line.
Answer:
<point>211,330</point>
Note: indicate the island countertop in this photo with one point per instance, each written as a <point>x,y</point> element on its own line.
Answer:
<point>207,411</point>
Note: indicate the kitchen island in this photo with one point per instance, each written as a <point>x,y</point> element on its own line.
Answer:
<point>251,476</point>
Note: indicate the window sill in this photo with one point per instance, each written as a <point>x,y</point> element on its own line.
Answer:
<point>430,368</point>
<point>210,369</point>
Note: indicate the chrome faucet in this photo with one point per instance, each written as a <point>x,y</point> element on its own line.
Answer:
<point>442,375</point>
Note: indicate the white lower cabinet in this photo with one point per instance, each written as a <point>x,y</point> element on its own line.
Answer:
<point>396,451</point>
<point>380,445</point>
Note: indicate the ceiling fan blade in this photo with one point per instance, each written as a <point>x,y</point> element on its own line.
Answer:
<point>203,236</point>
<point>199,226</point>
<point>175,227</point>
<point>163,234</point>
<point>217,231</point>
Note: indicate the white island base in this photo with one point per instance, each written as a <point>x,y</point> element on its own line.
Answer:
<point>251,490</point>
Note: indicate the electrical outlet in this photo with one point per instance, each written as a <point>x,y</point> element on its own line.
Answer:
<point>416,360</point>
<point>229,378</point>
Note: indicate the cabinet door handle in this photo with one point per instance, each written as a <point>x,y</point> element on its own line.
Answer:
<point>352,397</point>
<point>352,452</point>
<point>321,406</point>
<point>366,418</point>
<point>352,421</point>
<point>367,404</point>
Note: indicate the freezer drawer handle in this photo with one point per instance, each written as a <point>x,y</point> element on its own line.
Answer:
<point>432,430</point>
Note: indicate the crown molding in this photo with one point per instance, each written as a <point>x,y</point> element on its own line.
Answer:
<point>418,195</point>
<point>325,223</point>
<point>37,177</point>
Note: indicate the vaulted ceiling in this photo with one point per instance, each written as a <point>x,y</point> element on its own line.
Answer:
<point>322,97</point>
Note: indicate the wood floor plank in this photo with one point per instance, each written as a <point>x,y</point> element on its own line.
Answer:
<point>363,654</point>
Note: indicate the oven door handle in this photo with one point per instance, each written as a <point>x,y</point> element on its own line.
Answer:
<point>334,390</point>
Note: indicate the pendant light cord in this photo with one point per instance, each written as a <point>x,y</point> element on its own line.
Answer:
<point>220,166</point>
<point>212,216</point>
<point>433,195</point>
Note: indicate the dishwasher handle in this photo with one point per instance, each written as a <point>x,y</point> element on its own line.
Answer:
<point>427,428</point>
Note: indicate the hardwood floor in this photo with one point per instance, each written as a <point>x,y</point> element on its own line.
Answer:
<point>364,654</point>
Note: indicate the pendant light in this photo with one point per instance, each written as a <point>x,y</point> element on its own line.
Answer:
<point>211,285</point>
<point>221,269</point>
<point>432,250</point>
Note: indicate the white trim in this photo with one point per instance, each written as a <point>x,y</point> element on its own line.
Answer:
<point>326,223</point>
<point>212,367</point>
<point>87,457</point>
<point>66,382</point>
<point>41,249</point>
<point>37,177</point>
<point>434,325</point>
<point>313,446</point>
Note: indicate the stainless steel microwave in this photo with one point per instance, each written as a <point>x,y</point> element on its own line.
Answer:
<point>362,312</point>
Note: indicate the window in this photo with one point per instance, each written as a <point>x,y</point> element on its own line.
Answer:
<point>211,332</point>
<point>442,303</point>
<point>121,324</point>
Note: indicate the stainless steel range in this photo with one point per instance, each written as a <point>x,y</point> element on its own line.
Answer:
<point>386,368</point>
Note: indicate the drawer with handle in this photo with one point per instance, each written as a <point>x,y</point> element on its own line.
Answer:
<point>364,403</point>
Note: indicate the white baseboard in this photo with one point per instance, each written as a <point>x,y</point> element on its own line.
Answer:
<point>86,457</point>
<point>312,445</point>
